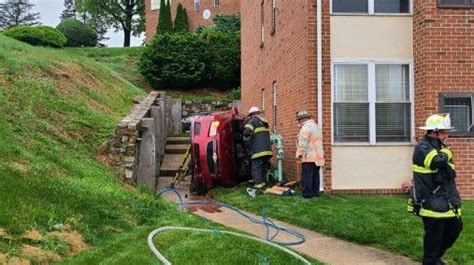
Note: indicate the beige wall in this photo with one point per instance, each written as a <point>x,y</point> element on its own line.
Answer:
<point>370,167</point>
<point>371,37</point>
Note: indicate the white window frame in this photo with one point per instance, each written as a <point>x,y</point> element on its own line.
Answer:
<point>217,3</point>
<point>371,10</point>
<point>372,99</point>
<point>197,5</point>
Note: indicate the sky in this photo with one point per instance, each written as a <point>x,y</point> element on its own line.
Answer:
<point>50,11</point>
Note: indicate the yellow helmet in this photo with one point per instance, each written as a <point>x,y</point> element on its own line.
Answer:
<point>438,122</point>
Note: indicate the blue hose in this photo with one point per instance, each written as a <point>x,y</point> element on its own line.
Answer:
<point>266,222</point>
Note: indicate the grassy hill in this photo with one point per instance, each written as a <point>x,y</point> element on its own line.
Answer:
<point>56,198</point>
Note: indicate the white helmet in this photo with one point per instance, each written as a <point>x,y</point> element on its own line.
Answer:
<point>302,114</point>
<point>253,110</point>
<point>438,122</point>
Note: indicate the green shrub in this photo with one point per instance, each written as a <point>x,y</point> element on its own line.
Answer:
<point>227,23</point>
<point>31,35</point>
<point>173,61</point>
<point>181,23</point>
<point>77,33</point>
<point>234,94</point>
<point>53,37</point>
<point>222,58</point>
<point>165,24</point>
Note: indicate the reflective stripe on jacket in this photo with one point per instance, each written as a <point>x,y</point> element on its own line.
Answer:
<point>310,143</point>
<point>257,136</point>
<point>434,189</point>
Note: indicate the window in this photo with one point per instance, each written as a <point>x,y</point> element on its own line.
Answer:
<point>371,6</point>
<point>456,3</point>
<point>217,3</point>
<point>197,5</point>
<point>372,103</point>
<point>460,108</point>
<point>273,17</point>
<point>262,22</point>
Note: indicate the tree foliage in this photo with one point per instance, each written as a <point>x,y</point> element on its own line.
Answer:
<point>125,15</point>
<point>165,24</point>
<point>69,11</point>
<point>181,23</point>
<point>17,13</point>
<point>227,23</point>
<point>77,33</point>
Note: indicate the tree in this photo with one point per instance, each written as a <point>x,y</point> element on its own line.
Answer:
<point>227,23</point>
<point>69,11</point>
<point>125,15</point>
<point>165,25</point>
<point>181,23</point>
<point>16,13</point>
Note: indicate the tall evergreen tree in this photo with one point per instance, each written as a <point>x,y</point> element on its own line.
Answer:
<point>16,13</point>
<point>165,24</point>
<point>69,11</point>
<point>181,23</point>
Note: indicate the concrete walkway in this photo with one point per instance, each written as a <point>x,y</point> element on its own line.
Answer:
<point>322,248</point>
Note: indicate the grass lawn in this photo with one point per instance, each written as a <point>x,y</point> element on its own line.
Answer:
<point>379,221</point>
<point>181,247</point>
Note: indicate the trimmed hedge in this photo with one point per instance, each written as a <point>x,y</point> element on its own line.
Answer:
<point>37,36</point>
<point>53,37</point>
<point>173,61</point>
<point>77,33</point>
<point>187,60</point>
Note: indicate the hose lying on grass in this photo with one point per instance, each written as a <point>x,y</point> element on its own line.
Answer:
<point>266,222</point>
<point>168,228</point>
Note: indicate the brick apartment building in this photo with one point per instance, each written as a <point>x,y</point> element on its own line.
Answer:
<point>371,72</point>
<point>200,12</point>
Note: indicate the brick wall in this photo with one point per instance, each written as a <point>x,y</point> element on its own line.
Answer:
<point>195,17</point>
<point>444,62</point>
<point>288,58</point>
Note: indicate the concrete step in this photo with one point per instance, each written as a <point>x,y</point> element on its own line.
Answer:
<point>170,164</point>
<point>176,148</point>
<point>178,140</point>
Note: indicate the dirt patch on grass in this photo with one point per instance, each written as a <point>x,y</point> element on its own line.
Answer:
<point>18,261</point>
<point>4,234</point>
<point>32,235</point>
<point>23,167</point>
<point>76,241</point>
<point>39,255</point>
<point>3,258</point>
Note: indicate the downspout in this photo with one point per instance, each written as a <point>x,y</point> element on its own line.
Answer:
<point>319,43</point>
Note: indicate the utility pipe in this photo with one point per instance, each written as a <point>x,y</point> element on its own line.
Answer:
<point>319,43</point>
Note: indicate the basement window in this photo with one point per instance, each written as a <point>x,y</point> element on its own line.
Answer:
<point>455,3</point>
<point>460,107</point>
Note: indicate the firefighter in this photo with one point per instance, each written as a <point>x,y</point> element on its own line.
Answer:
<point>435,195</point>
<point>257,137</point>
<point>309,153</point>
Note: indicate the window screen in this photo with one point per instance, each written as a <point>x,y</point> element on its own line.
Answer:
<point>460,110</point>
<point>456,3</point>
<point>351,108</point>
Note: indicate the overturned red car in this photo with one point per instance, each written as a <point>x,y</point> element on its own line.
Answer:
<point>218,152</point>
